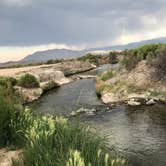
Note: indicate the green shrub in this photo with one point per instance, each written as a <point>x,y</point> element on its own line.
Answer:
<point>28,81</point>
<point>107,75</point>
<point>113,57</point>
<point>159,63</point>
<point>53,61</point>
<point>9,110</point>
<point>147,52</point>
<point>100,88</point>
<point>90,58</point>
<point>131,59</point>
<point>4,81</point>
<point>5,120</point>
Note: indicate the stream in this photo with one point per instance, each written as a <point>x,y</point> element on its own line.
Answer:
<point>137,132</point>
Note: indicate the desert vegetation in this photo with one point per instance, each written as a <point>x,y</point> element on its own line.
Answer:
<point>147,52</point>
<point>90,58</point>
<point>97,60</point>
<point>141,73</point>
<point>153,54</point>
<point>107,75</point>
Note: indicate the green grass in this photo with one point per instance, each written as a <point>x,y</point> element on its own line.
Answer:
<point>9,106</point>
<point>7,80</point>
<point>58,142</point>
<point>107,75</point>
<point>103,88</point>
<point>157,93</point>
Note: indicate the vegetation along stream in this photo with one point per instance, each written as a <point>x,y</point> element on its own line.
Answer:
<point>138,132</point>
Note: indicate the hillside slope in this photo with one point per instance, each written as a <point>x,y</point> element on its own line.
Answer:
<point>66,53</point>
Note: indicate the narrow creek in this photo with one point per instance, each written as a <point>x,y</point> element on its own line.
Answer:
<point>138,132</point>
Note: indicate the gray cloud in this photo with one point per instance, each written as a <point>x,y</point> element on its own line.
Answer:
<point>27,22</point>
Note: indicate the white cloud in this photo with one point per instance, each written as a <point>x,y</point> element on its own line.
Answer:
<point>127,37</point>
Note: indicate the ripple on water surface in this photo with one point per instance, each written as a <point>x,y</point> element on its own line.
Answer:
<point>139,132</point>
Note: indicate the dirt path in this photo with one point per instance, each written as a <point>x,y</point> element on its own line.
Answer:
<point>13,71</point>
<point>68,66</point>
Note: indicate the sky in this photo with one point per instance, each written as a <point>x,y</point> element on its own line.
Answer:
<point>27,26</point>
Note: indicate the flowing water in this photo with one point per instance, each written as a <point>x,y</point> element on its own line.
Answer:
<point>138,132</point>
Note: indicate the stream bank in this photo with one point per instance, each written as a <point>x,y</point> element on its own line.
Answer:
<point>137,132</point>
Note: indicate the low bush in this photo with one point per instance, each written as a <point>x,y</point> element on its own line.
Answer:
<point>159,63</point>
<point>133,56</point>
<point>4,81</point>
<point>28,81</point>
<point>53,61</point>
<point>113,57</point>
<point>9,109</point>
<point>101,87</point>
<point>94,59</point>
<point>5,119</point>
<point>107,75</point>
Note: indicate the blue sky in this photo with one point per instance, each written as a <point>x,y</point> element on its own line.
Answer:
<point>30,25</point>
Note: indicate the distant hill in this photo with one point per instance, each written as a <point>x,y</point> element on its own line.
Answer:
<point>131,45</point>
<point>53,54</point>
<point>66,53</point>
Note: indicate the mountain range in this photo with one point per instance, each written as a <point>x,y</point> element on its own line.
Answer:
<point>67,53</point>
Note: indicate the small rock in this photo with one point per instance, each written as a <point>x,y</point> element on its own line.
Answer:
<point>150,102</point>
<point>133,103</point>
<point>83,111</point>
<point>109,98</point>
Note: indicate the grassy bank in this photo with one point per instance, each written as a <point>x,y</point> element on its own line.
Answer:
<point>141,77</point>
<point>49,141</point>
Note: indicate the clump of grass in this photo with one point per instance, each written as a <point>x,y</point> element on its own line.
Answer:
<point>157,93</point>
<point>107,75</point>
<point>5,117</point>
<point>123,86</point>
<point>4,81</point>
<point>102,87</point>
<point>9,106</point>
<point>28,81</point>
